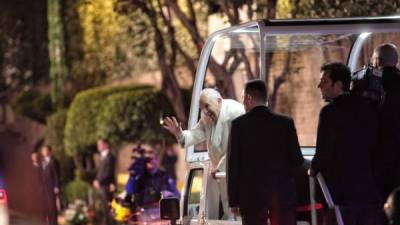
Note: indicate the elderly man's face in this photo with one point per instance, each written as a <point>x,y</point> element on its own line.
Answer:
<point>210,107</point>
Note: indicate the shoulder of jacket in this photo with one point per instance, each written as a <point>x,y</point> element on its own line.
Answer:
<point>240,118</point>
<point>328,108</point>
<point>282,117</point>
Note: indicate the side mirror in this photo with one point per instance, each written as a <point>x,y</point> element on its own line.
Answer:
<point>169,209</point>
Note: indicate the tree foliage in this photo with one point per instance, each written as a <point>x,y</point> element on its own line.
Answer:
<point>333,8</point>
<point>34,105</point>
<point>114,38</point>
<point>131,116</point>
<point>54,132</point>
<point>54,137</point>
<point>120,114</point>
<point>23,45</point>
<point>77,189</point>
<point>100,43</point>
<point>56,52</point>
<point>178,30</point>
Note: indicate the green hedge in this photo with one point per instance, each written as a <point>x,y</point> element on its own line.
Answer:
<point>121,114</point>
<point>133,115</point>
<point>54,133</point>
<point>77,189</point>
<point>54,136</point>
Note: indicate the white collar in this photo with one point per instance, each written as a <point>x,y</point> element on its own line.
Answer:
<point>104,153</point>
<point>47,159</point>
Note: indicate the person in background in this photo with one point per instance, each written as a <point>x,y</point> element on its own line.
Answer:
<point>136,170</point>
<point>385,55</point>
<point>168,162</point>
<point>51,184</point>
<point>153,184</point>
<point>105,179</point>
<point>37,181</point>
<point>386,158</point>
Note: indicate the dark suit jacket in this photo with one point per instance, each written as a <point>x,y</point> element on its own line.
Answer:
<point>50,181</point>
<point>51,177</point>
<point>387,155</point>
<point>262,151</point>
<point>106,173</point>
<point>347,134</point>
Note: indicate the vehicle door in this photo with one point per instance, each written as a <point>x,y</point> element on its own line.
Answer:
<point>193,194</point>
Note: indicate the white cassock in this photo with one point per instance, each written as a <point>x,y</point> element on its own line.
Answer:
<point>217,137</point>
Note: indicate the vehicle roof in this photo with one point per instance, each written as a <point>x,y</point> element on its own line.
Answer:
<point>332,21</point>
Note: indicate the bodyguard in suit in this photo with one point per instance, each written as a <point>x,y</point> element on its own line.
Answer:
<point>386,158</point>
<point>105,178</point>
<point>51,185</point>
<point>347,134</point>
<point>263,150</point>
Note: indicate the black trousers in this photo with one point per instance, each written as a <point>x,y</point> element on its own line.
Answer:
<point>280,215</point>
<point>106,198</point>
<point>50,208</point>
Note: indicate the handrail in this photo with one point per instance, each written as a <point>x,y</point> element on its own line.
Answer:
<point>328,198</point>
<point>220,175</point>
<point>325,191</point>
<point>312,201</point>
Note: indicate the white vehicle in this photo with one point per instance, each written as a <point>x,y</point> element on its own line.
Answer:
<point>253,44</point>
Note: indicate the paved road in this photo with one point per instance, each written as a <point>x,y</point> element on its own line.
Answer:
<point>19,219</point>
<point>20,181</point>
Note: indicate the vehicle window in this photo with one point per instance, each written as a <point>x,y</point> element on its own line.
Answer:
<point>376,39</point>
<point>234,60</point>
<point>293,71</point>
<point>192,199</point>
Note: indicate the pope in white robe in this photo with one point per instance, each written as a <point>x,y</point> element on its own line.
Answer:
<point>214,128</point>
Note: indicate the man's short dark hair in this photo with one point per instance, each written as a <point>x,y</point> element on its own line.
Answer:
<point>48,147</point>
<point>256,89</point>
<point>105,140</point>
<point>338,72</point>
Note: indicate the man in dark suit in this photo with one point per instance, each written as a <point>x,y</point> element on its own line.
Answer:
<point>51,185</point>
<point>263,149</point>
<point>105,178</point>
<point>347,134</point>
<point>386,158</point>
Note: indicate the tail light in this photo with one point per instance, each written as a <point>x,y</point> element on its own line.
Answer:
<point>3,196</point>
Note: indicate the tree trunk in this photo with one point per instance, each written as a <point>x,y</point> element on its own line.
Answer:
<point>172,91</point>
